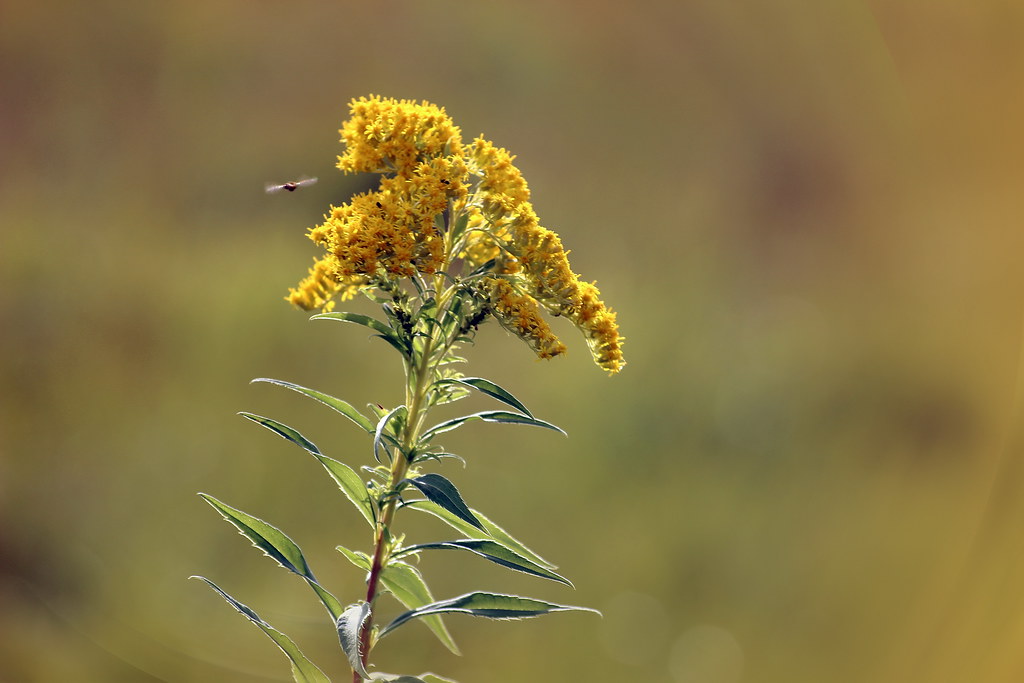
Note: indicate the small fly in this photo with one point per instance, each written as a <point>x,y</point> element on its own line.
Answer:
<point>290,186</point>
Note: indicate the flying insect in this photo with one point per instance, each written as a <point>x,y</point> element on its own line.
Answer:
<point>290,186</point>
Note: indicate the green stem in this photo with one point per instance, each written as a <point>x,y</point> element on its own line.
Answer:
<point>416,392</point>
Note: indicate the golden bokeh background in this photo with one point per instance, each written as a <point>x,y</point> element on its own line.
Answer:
<point>807,215</point>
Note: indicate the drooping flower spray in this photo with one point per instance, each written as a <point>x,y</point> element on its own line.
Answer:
<point>447,241</point>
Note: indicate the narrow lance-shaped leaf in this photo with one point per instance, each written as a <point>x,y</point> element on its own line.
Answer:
<point>357,557</point>
<point>489,550</point>
<point>276,545</point>
<point>490,605</point>
<point>488,387</point>
<point>407,585</point>
<point>452,316</point>
<point>335,403</point>
<point>381,677</point>
<point>501,416</point>
<point>357,318</point>
<point>434,678</point>
<point>284,430</point>
<point>264,536</point>
<point>441,491</point>
<point>492,529</point>
<point>351,485</point>
<point>385,331</point>
<point>346,478</point>
<point>436,455</point>
<point>378,410</point>
<point>350,624</point>
<point>303,670</point>
<point>380,434</point>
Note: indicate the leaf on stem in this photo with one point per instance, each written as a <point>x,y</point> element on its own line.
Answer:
<point>396,678</point>
<point>346,478</point>
<point>490,605</point>
<point>276,545</point>
<point>442,492</point>
<point>380,435</point>
<point>385,331</point>
<point>350,625</point>
<point>335,403</point>
<point>360,559</point>
<point>492,529</point>
<point>488,387</point>
<point>493,551</point>
<point>351,485</point>
<point>502,416</point>
<point>407,585</point>
<point>284,430</point>
<point>264,536</point>
<point>303,670</point>
<point>436,455</point>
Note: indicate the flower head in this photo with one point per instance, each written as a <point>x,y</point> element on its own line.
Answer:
<point>455,214</point>
<point>385,135</point>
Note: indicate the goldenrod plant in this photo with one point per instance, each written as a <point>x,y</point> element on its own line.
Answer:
<point>447,241</point>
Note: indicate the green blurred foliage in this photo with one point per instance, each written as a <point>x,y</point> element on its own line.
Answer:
<point>807,215</point>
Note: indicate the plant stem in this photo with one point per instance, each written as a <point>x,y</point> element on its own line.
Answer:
<point>415,397</point>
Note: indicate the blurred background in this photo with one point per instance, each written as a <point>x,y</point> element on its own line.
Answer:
<point>807,215</point>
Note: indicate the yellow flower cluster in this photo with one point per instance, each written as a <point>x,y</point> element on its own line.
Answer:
<point>506,228</point>
<point>320,288</point>
<point>384,135</point>
<point>405,228</point>
<point>520,314</point>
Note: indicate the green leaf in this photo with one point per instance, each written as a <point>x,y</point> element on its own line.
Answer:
<point>360,559</point>
<point>441,491</point>
<point>437,455</point>
<point>484,267</point>
<point>407,585</point>
<point>351,485</point>
<point>276,545</point>
<point>490,550</point>
<point>502,416</point>
<point>336,403</point>
<point>350,624</point>
<point>267,538</point>
<point>491,389</point>
<point>379,433</point>
<point>283,430</point>
<point>461,223</point>
<point>303,670</point>
<point>346,478</point>
<point>492,529</point>
<point>357,318</point>
<point>396,678</point>
<point>385,331</point>
<point>490,605</point>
